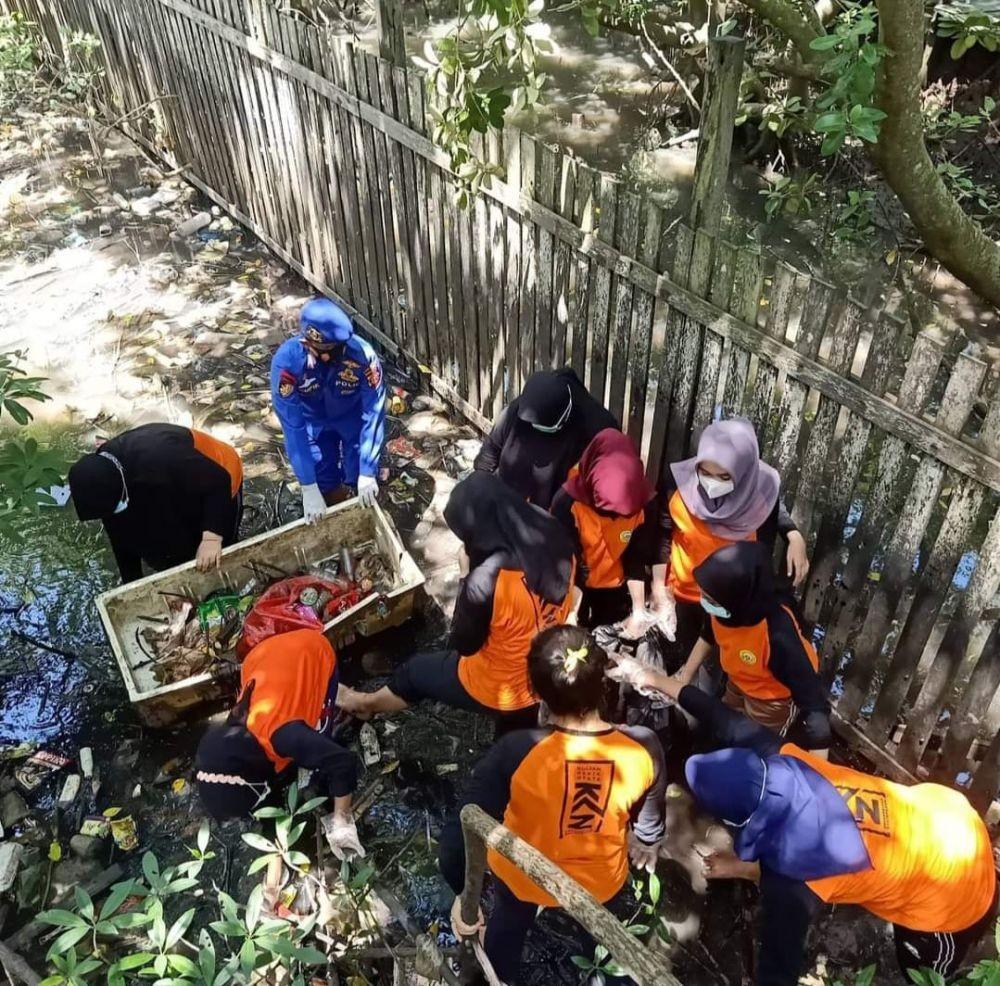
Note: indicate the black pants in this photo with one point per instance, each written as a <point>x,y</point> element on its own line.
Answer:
<point>602,607</point>
<point>508,926</point>
<point>434,677</point>
<point>941,951</point>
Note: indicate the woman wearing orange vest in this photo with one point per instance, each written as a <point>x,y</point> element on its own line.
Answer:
<point>722,495</point>
<point>812,832</point>
<point>609,508</point>
<point>771,668</point>
<point>517,566</point>
<point>587,794</point>
<point>281,721</point>
<point>166,495</point>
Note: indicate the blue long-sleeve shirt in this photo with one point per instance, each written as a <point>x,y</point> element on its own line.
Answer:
<point>346,395</point>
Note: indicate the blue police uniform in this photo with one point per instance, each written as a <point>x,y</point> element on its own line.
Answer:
<point>332,413</point>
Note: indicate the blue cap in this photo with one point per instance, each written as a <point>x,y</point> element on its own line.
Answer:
<point>324,323</point>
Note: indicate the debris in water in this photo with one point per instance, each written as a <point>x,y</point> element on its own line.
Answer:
<point>71,788</point>
<point>10,860</point>
<point>38,767</point>
<point>369,745</point>
<point>123,831</point>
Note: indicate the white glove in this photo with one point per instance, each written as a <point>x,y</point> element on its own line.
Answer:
<point>342,836</point>
<point>665,614</point>
<point>628,671</point>
<point>367,490</point>
<point>313,504</point>
<point>641,855</point>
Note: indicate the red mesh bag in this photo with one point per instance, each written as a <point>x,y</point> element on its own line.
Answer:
<point>279,609</point>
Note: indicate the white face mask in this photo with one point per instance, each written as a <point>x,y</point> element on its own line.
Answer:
<point>123,502</point>
<point>715,488</point>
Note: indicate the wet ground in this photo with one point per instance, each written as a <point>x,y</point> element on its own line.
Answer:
<point>130,327</point>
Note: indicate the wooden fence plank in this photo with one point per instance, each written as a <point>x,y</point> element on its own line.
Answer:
<point>584,218</point>
<point>529,262</point>
<point>778,313</point>
<point>600,301</point>
<point>627,241</point>
<point>639,351</point>
<point>512,294</point>
<point>545,192</point>
<point>562,272</point>
<point>743,304</point>
<point>497,283</point>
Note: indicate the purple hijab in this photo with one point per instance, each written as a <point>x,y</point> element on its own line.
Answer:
<point>733,445</point>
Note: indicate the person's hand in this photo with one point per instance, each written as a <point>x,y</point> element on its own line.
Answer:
<point>636,625</point>
<point>665,613</point>
<point>342,836</point>
<point>643,856</point>
<point>367,490</point>
<point>728,866</point>
<point>685,675</point>
<point>798,561</point>
<point>209,554</point>
<point>628,671</point>
<point>463,930</point>
<point>313,504</point>
<point>463,562</point>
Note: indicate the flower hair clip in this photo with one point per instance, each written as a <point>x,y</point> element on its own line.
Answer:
<point>573,658</point>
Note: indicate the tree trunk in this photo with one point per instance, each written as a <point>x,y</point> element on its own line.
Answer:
<point>951,235</point>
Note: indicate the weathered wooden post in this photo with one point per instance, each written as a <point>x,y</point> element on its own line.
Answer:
<point>715,140</point>
<point>389,24</point>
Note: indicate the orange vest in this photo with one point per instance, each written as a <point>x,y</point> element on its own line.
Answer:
<point>497,674</point>
<point>570,798</point>
<point>225,455</point>
<point>291,674</point>
<point>745,653</point>
<point>932,863</point>
<point>604,540</point>
<point>691,543</point>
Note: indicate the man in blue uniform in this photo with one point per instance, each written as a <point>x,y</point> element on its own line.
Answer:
<point>329,396</point>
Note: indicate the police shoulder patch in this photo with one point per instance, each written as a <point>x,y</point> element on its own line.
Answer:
<point>286,384</point>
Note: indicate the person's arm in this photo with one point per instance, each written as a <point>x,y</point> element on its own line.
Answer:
<point>726,726</point>
<point>701,649</point>
<point>490,790</point>
<point>649,813</point>
<point>336,767</point>
<point>790,664</point>
<point>797,553</point>
<point>562,509</point>
<point>488,459</point>
<point>470,625</point>
<point>372,416</point>
<point>290,413</point>
<point>787,909</point>
<point>129,560</point>
<point>202,478</point>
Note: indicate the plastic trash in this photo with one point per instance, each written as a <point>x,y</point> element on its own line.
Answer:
<point>192,225</point>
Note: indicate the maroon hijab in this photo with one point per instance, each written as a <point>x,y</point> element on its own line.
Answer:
<point>733,445</point>
<point>612,477</point>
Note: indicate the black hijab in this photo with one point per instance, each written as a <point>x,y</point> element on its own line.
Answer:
<point>96,486</point>
<point>537,463</point>
<point>490,518</point>
<point>739,577</point>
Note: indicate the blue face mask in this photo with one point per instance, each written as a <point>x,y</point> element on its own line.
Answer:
<point>720,612</point>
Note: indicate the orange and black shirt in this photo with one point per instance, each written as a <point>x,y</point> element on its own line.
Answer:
<point>610,549</point>
<point>180,483</point>
<point>687,540</point>
<point>496,618</point>
<point>573,796</point>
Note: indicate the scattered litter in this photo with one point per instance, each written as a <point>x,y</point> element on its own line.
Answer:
<point>368,738</point>
<point>38,767</point>
<point>18,752</point>
<point>178,785</point>
<point>190,226</point>
<point>123,831</point>
<point>10,860</point>
<point>70,789</point>
<point>13,809</point>
<point>403,448</point>
<point>446,768</point>
<point>86,758</point>
<point>96,826</point>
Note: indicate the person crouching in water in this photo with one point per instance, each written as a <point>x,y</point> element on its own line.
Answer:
<point>771,668</point>
<point>811,833</point>
<point>281,721</point>
<point>610,509</point>
<point>517,565</point>
<point>587,794</point>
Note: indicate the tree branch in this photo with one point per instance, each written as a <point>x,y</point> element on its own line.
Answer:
<point>949,233</point>
<point>798,25</point>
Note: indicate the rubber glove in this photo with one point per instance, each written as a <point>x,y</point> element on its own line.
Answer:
<point>367,490</point>
<point>209,554</point>
<point>627,671</point>
<point>637,624</point>
<point>643,856</point>
<point>313,504</point>
<point>342,836</point>
<point>460,928</point>
<point>665,613</point>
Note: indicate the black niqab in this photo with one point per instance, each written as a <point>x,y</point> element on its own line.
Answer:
<point>96,487</point>
<point>536,463</point>
<point>490,518</point>
<point>739,577</point>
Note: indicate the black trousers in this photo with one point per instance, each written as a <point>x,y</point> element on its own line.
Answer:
<point>508,926</point>
<point>941,951</point>
<point>433,676</point>
<point>602,607</point>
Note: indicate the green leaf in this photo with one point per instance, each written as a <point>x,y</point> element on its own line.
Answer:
<point>66,941</point>
<point>134,961</point>
<point>260,862</point>
<point>52,981</point>
<point>258,842</point>
<point>177,929</point>
<point>228,929</point>
<point>654,888</point>
<point>130,919</point>
<point>203,836</point>
<point>582,962</point>
<point>637,929</point>
<point>55,852</point>
<point>62,918</point>
<point>828,122</point>
<point>183,965</point>
<point>254,904</point>
<point>825,42</point>
<point>115,899</point>
<point>313,803</point>
<point>19,413</point>
<point>270,812</point>
<point>151,869</point>
<point>309,955</point>
<point>83,903</point>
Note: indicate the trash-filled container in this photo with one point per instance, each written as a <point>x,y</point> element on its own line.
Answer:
<point>133,613</point>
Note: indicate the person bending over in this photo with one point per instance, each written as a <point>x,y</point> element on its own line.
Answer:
<point>281,721</point>
<point>517,581</point>
<point>585,793</point>
<point>609,508</point>
<point>165,494</point>
<point>811,832</point>
<point>770,666</point>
